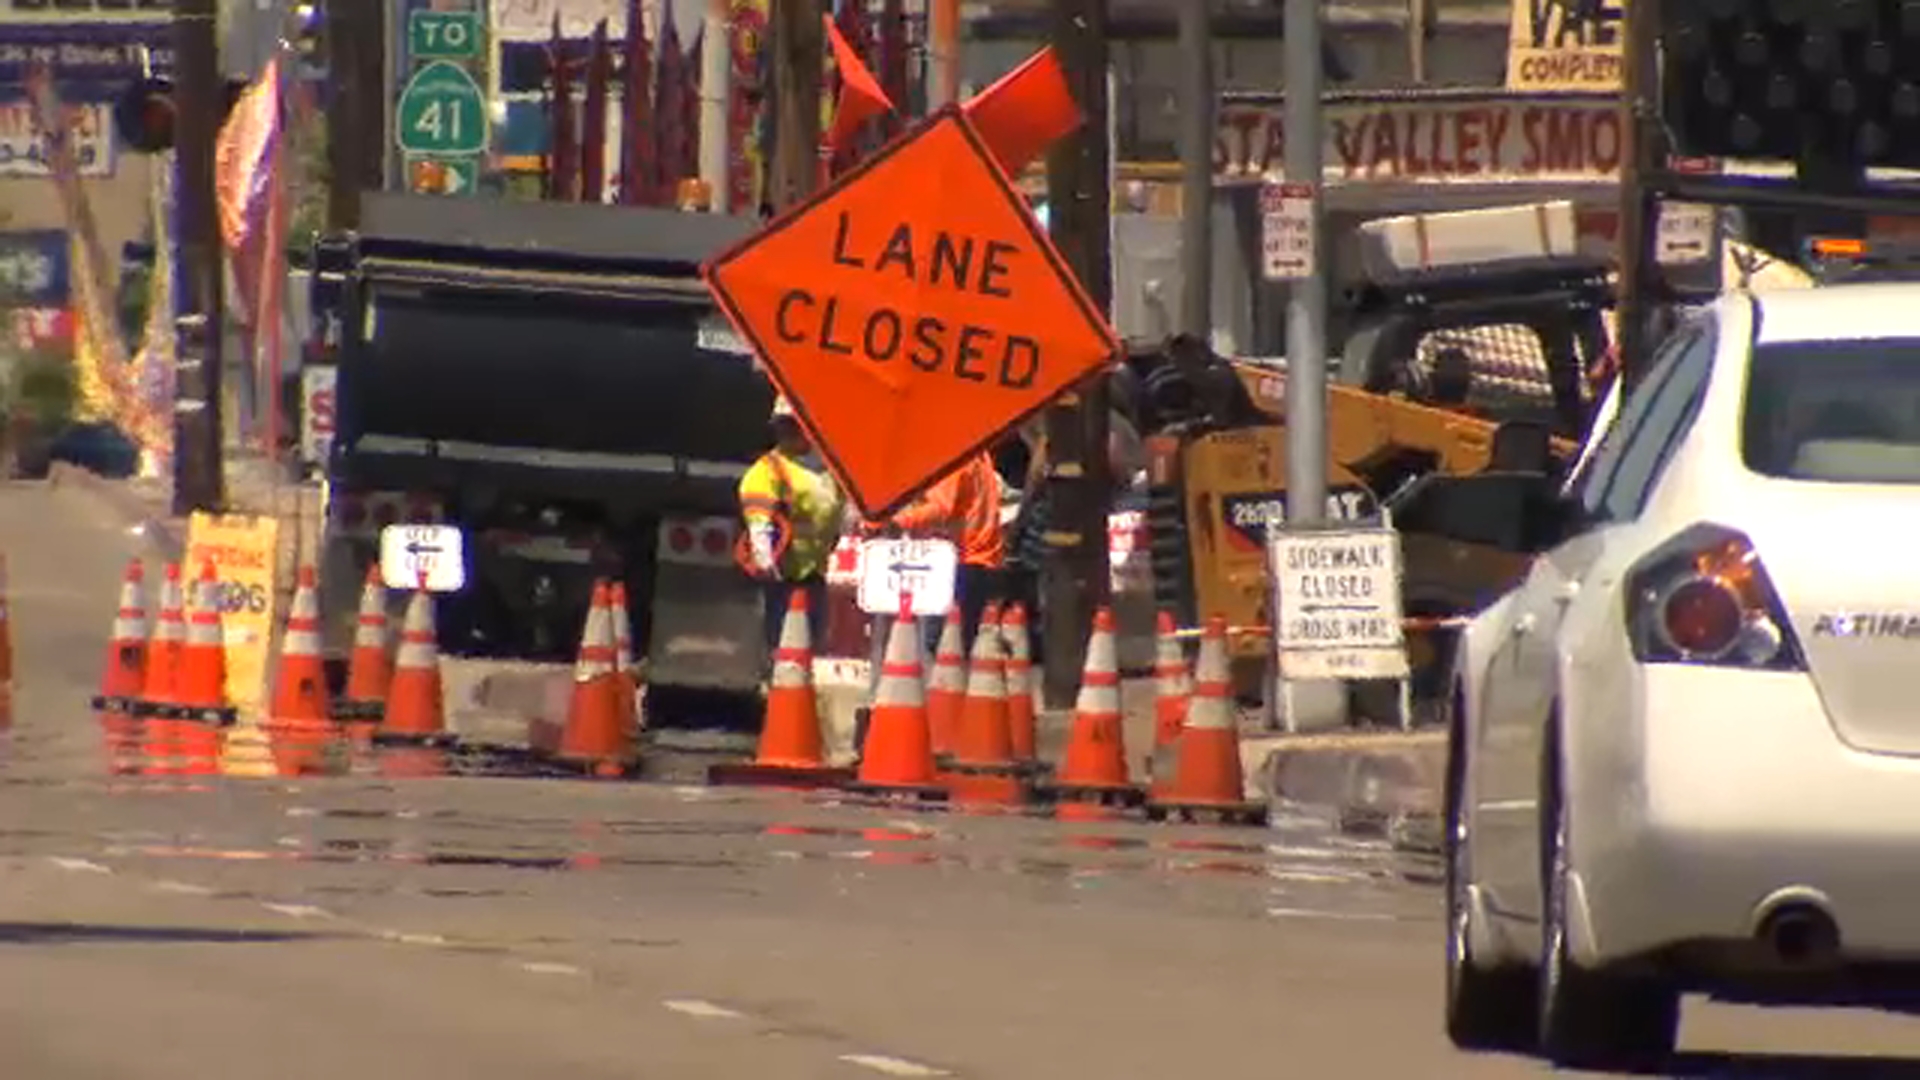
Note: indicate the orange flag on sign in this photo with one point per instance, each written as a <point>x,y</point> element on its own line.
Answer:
<point>861,98</point>
<point>1025,112</point>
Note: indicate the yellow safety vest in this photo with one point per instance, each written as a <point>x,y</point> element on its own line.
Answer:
<point>778,487</point>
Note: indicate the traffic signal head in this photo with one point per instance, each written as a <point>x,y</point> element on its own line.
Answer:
<point>1831,82</point>
<point>146,116</point>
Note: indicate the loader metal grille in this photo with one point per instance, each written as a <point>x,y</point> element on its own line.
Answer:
<point>1509,364</point>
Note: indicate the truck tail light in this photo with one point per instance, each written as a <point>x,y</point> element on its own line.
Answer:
<point>1704,598</point>
<point>699,541</point>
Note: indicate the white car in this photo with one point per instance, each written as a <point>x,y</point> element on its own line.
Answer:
<point>1685,750</point>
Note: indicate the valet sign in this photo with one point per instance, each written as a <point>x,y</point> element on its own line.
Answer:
<point>1337,604</point>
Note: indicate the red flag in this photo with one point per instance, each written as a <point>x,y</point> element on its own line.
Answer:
<point>861,98</point>
<point>1028,110</point>
<point>636,125</point>
<point>562,153</point>
<point>690,108</point>
<point>669,111</point>
<point>593,120</point>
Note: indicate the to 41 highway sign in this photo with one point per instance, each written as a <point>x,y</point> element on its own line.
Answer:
<point>442,111</point>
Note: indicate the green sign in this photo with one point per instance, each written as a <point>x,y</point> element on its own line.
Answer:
<point>442,111</point>
<point>443,35</point>
<point>435,175</point>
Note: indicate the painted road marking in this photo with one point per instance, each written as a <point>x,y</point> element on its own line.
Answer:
<point>78,865</point>
<point>892,1066</point>
<point>412,939</point>
<point>168,885</point>
<point>549,967</point>
<point>1345,916</point>
<point>299,911</point>
<point>704,1010</point>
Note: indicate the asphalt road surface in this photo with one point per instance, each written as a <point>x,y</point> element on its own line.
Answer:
<point>485,928</point>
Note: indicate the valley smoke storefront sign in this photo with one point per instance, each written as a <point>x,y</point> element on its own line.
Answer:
<point>1455,138</point>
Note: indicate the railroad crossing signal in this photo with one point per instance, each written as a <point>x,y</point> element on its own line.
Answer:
<point>442,111</point>
<point>443,35</point>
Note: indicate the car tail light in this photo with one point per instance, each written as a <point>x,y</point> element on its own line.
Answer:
<point>1704,598</point>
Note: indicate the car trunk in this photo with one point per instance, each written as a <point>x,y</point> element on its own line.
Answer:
<point>1840,556</point>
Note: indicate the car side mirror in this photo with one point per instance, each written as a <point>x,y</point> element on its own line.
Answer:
<point>1519,512</point>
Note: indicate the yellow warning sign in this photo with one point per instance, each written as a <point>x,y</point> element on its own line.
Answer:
<point>243,549</point>
<point>1561,46</point>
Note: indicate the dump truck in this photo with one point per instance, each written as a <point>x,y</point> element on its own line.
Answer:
<point>553,381</point>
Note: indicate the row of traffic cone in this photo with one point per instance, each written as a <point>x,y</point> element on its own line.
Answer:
<point>970,733</point>
<point>601,735</point>
<point>163,698</point>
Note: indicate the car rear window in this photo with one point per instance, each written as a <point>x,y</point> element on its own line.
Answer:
<point>1844,412</point>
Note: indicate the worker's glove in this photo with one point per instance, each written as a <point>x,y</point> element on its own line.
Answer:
<point>760,550</point>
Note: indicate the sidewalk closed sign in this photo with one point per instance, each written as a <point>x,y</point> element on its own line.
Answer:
<point>1337,604</point>
<point>243,549</point>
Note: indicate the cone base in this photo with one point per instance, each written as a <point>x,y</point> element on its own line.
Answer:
<point>1223,813</point>
<point>1019,766</point>
<point>368,711</point>
<point>1121,795</point>
<point>768,774</point>
<point>898,792</point>
<point>594,768</point>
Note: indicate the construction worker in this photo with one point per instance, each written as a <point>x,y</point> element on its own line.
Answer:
<point>791,509</point>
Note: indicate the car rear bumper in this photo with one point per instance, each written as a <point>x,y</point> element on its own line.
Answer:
<point>1746,797</point>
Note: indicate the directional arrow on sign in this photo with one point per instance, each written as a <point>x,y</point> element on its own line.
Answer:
<point>922,568</point>
<point>415,547</point>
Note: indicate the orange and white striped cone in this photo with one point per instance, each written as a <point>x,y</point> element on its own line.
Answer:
<point>202,700</point>
<point>413,727</point>
<point>1022,720</point>
<point>897,758</point>
<point>158,707</point>
<point>125,675</point>
<point>623,660</point>
<point>982,770</point>
<point>300,726</point>
<point>595,738</point>
<point>1172,689</point>
<point>947,687</point>
<point>792,750</point>
<point>370,664</point>
<point>1207,778</point>
<point>1094,769</point>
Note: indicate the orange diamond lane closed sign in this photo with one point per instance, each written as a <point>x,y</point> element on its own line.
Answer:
<point>913,312</point>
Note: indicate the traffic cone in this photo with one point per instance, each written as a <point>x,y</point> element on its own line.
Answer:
<point>413,726</point>
<point>595,738</point>
<point>203,706</point>
<point>1173,687</point>
<point>1207,778</point>
<point>370,665</point>
<point>897,758</point>
<point>982,770</point>
<point>1095,765</point>
<point>300,727</point>
<point>160,691</point>
<point>125,676</point>
<point>947,686</point>
<point>628,678</point>
<point>1022,723</point>
<point>792,747</point>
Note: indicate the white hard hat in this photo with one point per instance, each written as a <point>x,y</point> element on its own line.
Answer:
<point>782,407</point>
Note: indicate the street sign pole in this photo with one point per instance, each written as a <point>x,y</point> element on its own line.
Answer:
<point>1314,704</point>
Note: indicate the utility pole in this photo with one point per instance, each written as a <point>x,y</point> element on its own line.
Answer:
<point>1639,120</point>
<point>943,46</point>
<point>716,73</point>
<point>1196,168</point>
<point>1308,704</point>
<point>356,150</point>
<point>1075,577</point>
<point>799,42</point>
<point>198,471</point>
